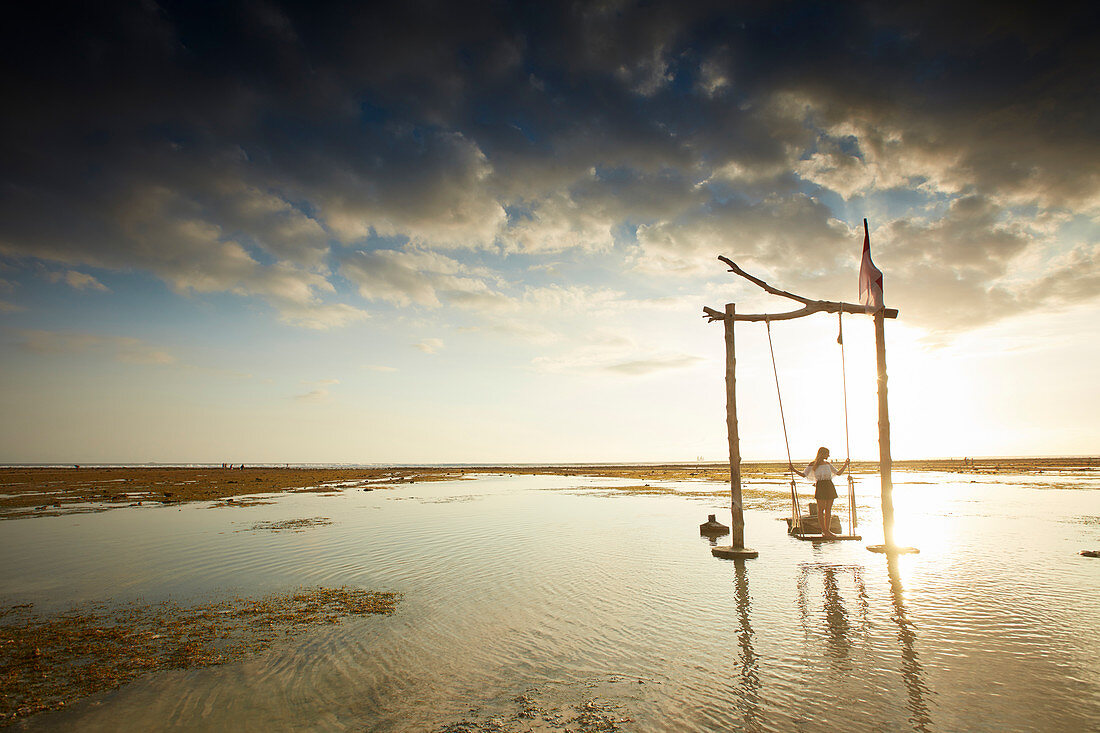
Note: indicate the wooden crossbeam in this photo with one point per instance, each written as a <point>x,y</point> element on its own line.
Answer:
<point>810,306</point>
<point>818,306</point>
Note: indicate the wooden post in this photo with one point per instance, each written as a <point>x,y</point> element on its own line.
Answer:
<point>737,549</point>
<point>885,462</point>
<point>738,525</point>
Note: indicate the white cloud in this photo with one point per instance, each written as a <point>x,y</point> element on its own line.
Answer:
<point>612,353</point>
<point>196,241</point>
<point>713,77</point>
<point>77,280</point>
<point>317,395</point>
<point>134,351</point>
<point>510,328</point>
<point>430,345</point>
<point>416,277</point>
<point>647,75</point>
<point>320,316</point>
<point>435,189</point>
<point>858,155</point>
<point>120,348</point>
<point>320,393</point>
<point>269,220</point>
<point>641,367</point>
<point>794,232</point>
<point>557,222</point>
<point>599,155</point>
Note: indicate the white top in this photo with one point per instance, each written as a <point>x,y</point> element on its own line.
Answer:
<point>823,472</point>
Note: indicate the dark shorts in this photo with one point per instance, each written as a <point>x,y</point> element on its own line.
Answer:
<point>824,490</point>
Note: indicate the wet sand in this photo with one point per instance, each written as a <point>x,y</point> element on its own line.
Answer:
<point>47,491</point>
<point>50,491</point>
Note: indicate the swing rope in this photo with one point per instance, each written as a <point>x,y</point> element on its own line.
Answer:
<point>796,509</point>
<point>847,442</point>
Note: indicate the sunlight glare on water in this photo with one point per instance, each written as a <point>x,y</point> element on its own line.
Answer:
<point>557,589</point>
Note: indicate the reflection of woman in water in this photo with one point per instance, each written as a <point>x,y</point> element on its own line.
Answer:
<point>822,472</point>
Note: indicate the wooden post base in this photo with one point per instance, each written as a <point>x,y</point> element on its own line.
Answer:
<point>893,550</point>
<point>727,552</point>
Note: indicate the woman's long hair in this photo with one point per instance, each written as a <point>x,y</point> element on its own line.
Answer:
<point>820,457</point>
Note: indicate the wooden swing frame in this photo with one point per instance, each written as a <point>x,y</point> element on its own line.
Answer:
<point>729,317</point>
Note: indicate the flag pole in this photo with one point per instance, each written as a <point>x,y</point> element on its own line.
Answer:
<point>885,462</point>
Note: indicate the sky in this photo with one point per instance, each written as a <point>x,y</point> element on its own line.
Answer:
<point>423,232</point>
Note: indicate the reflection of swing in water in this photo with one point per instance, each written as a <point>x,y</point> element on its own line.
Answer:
<point>749,687</point>
<point>840,625</point>
<point>809,526</point>
<point>846,611</point>
<point>911,672</point>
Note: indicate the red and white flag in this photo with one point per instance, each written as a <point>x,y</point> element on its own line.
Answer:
<point>870,277</point>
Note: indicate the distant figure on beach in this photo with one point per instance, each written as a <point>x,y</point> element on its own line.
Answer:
<point>822,472</point>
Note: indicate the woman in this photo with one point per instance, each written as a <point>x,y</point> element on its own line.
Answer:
<point>822,472</point>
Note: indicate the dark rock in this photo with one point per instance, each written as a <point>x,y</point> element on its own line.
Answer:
<point>713,527</point>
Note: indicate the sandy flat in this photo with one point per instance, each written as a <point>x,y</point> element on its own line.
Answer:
<point>46,491</point>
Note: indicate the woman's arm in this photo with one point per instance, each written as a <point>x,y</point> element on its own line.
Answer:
<point>804,473</point>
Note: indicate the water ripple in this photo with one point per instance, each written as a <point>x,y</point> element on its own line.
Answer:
<point>512,590</point>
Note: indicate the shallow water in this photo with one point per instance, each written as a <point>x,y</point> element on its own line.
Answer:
<point>553,588</point>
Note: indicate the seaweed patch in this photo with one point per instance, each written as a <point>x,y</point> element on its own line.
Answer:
<point>293,525</point>
<point>46,663</point>
<point>528,713</point>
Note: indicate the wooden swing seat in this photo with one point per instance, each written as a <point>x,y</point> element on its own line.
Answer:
<point>822,538</point>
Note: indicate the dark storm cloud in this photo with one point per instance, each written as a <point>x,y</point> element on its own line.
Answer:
<point>231,147</point>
